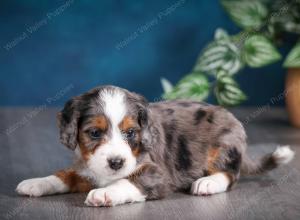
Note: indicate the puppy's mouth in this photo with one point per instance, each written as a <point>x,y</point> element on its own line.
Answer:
<point>113,171</point>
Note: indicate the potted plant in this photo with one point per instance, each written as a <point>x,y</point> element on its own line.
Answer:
<point>292,86</point>
<point>263,23</point>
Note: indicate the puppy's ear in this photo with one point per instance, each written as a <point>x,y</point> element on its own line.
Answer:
<point>68,123</point>
<point>142,115</point>
<point>142,108</point>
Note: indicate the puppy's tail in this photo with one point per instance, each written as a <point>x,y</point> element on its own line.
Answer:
<point>282,155</point>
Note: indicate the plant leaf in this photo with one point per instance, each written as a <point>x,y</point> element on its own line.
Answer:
<point>227,91</point>
<point>219,55</point>
<point>166,84</point>
<point>288,21</point>
<point>258,51</point>
<point>221,34</point>
<point>194,86</point>
<point>293,58</point>
<point>246,14</point>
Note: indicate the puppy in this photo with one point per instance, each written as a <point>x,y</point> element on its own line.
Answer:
<point>128,150</point>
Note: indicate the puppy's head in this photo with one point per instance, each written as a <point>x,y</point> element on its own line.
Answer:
<point>105,127</point>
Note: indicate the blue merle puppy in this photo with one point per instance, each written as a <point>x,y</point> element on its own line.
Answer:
<point>128,150</point>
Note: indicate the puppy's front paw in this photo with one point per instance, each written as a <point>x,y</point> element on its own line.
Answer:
<point>102,197</point>
<point>32,187</point>
<point>122,191</point>
<point>41,186</point>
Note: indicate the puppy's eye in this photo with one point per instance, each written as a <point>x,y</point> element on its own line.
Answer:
<point>95,134</point>
<point>130,134</point>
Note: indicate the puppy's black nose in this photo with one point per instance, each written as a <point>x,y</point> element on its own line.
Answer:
<point>115,163</point>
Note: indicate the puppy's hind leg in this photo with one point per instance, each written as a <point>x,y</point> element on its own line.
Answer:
<point>209,185</point>
<point>223,168</point>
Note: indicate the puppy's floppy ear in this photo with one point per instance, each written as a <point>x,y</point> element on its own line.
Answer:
<point>142,108</point>
<point>68,123</point>
<point>142,115</point>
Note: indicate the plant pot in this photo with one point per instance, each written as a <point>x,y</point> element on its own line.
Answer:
<point>292,95</point>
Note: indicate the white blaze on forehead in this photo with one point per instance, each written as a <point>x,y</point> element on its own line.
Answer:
<point>114,105</point>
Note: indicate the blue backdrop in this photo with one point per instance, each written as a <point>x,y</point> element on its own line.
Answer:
<point>52,50</point>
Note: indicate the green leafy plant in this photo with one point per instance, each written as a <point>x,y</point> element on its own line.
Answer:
<point>262,22</point>
<point>293,58</point>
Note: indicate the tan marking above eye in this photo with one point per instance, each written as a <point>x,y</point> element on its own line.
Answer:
<point>99,122</point>
<point>86,144</point>
<point>127,123</point>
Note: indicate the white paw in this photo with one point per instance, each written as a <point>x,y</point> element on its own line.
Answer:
<point>209,185</point>
<point>120,192</point>
<point>41,186</point>
<point>32,187</point>
<point>102,197</point>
